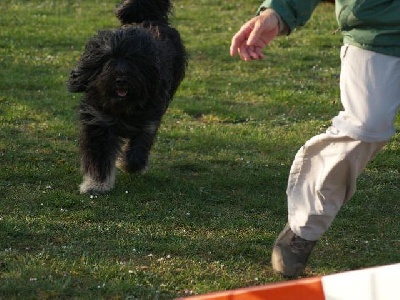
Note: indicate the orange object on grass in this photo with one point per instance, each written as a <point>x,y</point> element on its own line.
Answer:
<point>301,289</point>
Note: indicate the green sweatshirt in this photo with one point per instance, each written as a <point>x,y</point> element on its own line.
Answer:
<point>369,24</point>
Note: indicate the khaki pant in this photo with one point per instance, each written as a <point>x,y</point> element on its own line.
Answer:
<point>324,172</point>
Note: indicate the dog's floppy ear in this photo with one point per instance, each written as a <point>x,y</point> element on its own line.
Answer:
<point>77,83</point>
<point>97,52</point>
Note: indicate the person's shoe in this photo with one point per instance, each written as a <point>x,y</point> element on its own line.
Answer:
<point>290,253</point>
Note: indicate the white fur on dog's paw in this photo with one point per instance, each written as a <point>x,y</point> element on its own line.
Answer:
<point>89,185</point>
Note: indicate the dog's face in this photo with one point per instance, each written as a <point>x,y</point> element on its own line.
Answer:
<point>121,86</point>
<point>120,73</point>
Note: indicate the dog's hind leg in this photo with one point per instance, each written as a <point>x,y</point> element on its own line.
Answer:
<point>99,148</point>
<point>135,156</point>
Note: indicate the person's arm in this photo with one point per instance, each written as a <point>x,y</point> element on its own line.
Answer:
<point>274,17</point>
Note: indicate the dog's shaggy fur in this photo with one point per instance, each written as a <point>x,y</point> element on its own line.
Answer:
<point>128,77</point>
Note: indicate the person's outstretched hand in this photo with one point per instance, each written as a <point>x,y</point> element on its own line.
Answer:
<point>254,35</point>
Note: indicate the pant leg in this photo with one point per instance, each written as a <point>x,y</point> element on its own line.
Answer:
<point>324,172</point>
<point>370,94</point>
<point>322,178</point>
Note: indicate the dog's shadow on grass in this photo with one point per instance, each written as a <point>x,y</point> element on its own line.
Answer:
<point>179,210</point>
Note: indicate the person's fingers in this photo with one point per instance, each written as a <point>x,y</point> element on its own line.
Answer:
<point>250,53</point>
<point>234,45</point>
<point>259,53</point>
<point>254,35</point>
<point>243,51</point>
<point>239,38</point>
<point>255,52</point>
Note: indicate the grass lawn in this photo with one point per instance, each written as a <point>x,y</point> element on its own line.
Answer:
<point>206,214</point>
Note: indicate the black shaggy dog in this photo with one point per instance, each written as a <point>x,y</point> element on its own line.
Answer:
<point>128,77</point>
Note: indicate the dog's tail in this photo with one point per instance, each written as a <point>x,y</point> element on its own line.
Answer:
<point>138,11</point>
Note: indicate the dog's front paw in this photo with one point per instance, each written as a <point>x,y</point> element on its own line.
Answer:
<point>91,186</point>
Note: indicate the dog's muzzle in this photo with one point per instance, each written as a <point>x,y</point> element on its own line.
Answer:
<point>121,86</point>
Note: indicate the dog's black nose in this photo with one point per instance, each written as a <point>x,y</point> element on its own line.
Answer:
<point>120,81</point>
